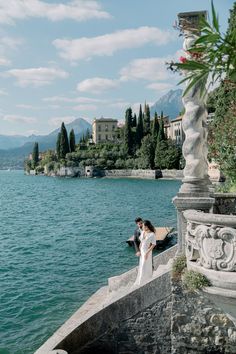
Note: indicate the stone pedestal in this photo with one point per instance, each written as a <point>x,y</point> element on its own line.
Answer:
<point>183,203</point>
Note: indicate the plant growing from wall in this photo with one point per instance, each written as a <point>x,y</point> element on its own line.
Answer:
<point>194,280</point>
<point>178,266</point>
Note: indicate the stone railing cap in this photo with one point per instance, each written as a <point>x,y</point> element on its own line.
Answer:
<point>200,217</point>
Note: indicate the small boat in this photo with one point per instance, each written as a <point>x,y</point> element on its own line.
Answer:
<point>162,236</point>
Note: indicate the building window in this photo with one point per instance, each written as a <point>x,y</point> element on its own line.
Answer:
<point>99,137</point>
<point>113,127</point>
<point>106,137</point>
<point>106,127</point>
<point>99,128</point>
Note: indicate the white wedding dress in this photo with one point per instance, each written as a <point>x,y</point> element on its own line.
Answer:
<point>145,266</point>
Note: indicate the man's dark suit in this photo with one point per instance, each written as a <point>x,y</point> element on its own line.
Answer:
<point>137,234</point>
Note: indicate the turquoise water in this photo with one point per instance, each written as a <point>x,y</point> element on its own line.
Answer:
<point>60,239</point>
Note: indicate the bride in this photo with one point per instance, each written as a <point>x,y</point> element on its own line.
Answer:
<point>148,242</point>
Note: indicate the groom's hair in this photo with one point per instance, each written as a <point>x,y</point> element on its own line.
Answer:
<point>138,220</point>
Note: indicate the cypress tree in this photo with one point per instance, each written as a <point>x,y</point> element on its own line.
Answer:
<point>72,140</point>
<point>139,129</point>
<point>155,128</point>
<point>128,131</point>
<point>146,120</point>
<point>58,146</point>
<point>64,142</point>
<point>161,134</point>
<point>134,121</point>
<point>35,155</point>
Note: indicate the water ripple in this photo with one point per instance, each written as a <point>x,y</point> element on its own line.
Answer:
<point>60,240</point>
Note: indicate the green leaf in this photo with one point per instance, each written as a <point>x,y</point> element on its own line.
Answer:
<point>215,20</point>
<point>191,65</point>
<point>201,78</point>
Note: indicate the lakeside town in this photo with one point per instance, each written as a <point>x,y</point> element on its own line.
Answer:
<point>141,143</point>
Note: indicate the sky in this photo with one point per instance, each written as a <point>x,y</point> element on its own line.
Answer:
<point>62,59</point>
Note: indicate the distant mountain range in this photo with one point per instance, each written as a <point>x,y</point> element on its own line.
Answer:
<point>14,149</point>
<point>170,104</point>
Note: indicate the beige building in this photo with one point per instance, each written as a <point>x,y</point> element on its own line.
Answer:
<point>176,131</point>
<point>104,129</point>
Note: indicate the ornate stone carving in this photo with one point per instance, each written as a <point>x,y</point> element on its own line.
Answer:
<point>212,246</point>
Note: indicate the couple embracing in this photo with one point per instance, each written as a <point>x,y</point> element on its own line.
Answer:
<point>144,242</point>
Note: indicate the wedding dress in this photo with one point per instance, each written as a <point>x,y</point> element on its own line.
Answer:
<point>145,266</point>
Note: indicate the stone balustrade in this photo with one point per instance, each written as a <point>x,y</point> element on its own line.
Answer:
<point>210,243</point>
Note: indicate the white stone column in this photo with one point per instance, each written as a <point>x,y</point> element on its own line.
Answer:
<point>194,192</point>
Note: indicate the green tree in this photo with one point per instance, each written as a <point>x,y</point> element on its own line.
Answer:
<point>222,135</point>
<point>146,153</point>
<point>167,155</point>
<point>155,128</point>
<point>35,155</point>
<point>58,146</point>
<point>146,119</point>
<point>161,133</point>
<point>64,142</point>
<point>128,131</point>
<point>72,140</point>
<point>134,121</point>
<point>139,129</point>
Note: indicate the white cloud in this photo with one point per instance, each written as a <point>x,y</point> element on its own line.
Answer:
<point>3,93</point>
<point>4,61</point>
<point>6,44</point>
<point>18,119</point>
<point>97,85</point>
<point>150,69</point>
<point>121,105</point>
<point>36,76</point>
<point>56,121</point>
<point>85,107</point>
<point>108,44</point>
<point>26,106</point>
<point>78,10</point>
<point>160,86</point>
<point>74,100</point>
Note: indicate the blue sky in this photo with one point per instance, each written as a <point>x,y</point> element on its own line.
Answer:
<point>60,60</point>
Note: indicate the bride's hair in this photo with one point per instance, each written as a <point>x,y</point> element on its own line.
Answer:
<point>149,225</point>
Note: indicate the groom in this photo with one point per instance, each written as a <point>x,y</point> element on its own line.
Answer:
<point>137,233</point>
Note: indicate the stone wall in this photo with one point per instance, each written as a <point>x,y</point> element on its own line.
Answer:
<point>198,325</point>
<point>146,332</point>
<point>151,174</point>
<point>172,174</point>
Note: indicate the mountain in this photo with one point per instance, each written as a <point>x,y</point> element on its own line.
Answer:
<point>171,104</point>
<point>22,146</point>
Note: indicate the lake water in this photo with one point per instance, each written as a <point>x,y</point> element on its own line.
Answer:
<point>60,239</point>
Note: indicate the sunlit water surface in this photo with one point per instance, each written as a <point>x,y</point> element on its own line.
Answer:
<point>60,239</point>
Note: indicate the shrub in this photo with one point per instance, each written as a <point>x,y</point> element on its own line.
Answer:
<point>178,266</point>
<point>194,280</point>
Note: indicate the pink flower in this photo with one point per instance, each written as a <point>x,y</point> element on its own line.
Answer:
<point>183,60</point>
